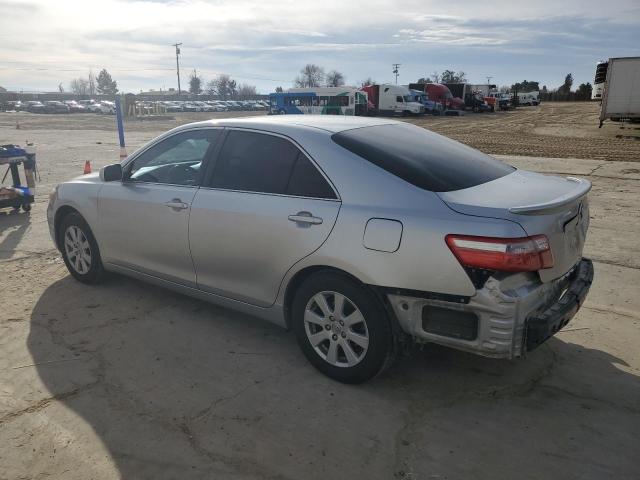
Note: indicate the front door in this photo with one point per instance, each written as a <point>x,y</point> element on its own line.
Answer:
<point>144,220</point>
<point>265,207</point>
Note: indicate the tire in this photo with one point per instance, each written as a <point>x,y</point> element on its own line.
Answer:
<point>347,352</point>
<point>26,207</point>
<point>75,236</point>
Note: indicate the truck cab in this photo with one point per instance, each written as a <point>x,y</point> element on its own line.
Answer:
<point>393,99</point>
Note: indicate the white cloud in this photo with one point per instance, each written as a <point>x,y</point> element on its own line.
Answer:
<point>46,42</point>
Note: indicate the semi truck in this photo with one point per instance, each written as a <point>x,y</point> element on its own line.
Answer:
<point>464,96</point>
<point>436,92</point>
<point>621,90</point>
<point>486,90</point>
<point>392,99</point>
<point>430,106</point>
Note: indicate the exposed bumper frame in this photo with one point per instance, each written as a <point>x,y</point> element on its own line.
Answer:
<point>515,313</point>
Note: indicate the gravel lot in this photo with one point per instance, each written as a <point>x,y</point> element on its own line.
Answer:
<point>125,380</point>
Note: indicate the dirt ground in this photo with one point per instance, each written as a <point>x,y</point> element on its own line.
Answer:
<point>126,380</point>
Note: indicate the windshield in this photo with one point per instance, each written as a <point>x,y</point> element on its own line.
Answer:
<point>422,158</point>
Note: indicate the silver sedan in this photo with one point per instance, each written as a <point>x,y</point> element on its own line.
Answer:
<point>360,235</point>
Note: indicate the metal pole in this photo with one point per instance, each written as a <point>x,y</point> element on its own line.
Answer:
<point>123,150</point>
<point>177,45</point>
<point>395,71</point>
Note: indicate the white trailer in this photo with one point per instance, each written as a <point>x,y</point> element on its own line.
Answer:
<point>621,92</point>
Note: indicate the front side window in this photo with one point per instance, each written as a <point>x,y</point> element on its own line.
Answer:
<point>177,160</point>
<point>257,162</point>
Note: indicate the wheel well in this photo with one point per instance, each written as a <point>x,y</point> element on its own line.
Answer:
<point>299,278</point>
<point>60,214</point>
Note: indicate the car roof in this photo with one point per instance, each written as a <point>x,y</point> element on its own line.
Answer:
<point>329,123</point>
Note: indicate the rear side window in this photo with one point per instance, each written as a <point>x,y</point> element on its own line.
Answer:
<point>422,158</point>
<point>257,162</point>
<point>307,181</point>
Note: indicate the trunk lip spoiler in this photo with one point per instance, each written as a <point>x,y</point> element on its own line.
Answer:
<point>583,187</point>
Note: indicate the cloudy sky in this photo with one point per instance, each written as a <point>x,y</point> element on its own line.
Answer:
<point>265,43</point>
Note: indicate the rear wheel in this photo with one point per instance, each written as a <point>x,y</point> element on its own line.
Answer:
<point>80,249</point>
<point>342,328</point>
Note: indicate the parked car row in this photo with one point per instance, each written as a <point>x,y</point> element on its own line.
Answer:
<point>202,105</point>
<point>107,107</point>
<point>66,106</point>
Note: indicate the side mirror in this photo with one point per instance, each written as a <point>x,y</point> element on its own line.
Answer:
<point>111,173</point>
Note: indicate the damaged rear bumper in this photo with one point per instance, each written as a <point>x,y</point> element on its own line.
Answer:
<point>506,317</point>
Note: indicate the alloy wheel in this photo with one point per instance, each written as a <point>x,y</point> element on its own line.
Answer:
<point>336,329</point>
<point>78,250</point>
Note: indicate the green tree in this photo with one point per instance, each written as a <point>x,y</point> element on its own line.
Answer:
<point>195,83</point>
<point>565,89</point>
<point>106,85</point>
<point>526,86</point>
<point>584,91</point>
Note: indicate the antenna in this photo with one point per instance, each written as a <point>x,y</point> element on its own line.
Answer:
<point>395,71</point>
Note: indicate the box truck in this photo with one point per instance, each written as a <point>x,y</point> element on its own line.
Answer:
<point>392,99</point>
<point>621,91</point>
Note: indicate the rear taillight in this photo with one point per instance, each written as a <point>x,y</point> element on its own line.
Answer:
<point>525,254</point>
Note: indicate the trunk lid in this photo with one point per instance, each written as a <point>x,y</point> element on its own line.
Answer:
<point>542,205</point>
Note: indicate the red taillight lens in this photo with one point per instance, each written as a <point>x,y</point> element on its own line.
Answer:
<point>526,254</point>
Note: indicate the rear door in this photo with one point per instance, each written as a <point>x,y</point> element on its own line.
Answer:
<point>264,206</point>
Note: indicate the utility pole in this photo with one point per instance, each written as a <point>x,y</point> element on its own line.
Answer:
<point>177,45</point>
<point>489,80</point>
<point>395,71</point>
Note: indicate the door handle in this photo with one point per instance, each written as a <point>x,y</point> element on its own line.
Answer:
<point>176,204</point>
<point>305,217</point>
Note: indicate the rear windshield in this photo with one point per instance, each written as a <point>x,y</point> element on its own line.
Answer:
<point>421,157</point>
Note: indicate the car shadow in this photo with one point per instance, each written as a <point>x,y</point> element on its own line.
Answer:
<point>19,222</point>
<point>177,388</point>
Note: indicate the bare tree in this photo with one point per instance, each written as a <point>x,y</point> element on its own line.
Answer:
<point>311,75</point>
<point>279,90</point>
<point>449,76</point>
<point>211,88</point>
<point>334,79</point>
<point>222,85</point>
<point>60,88</point>
<point>435,77</point>
<point>367,81</point>
<point>79,86</point>
<point>245,90</point>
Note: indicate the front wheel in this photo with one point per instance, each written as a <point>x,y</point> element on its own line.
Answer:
<point>80,249</point>
<point>342,328</point>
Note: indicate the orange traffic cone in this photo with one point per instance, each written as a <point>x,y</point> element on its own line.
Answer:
<point>87,167</point>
